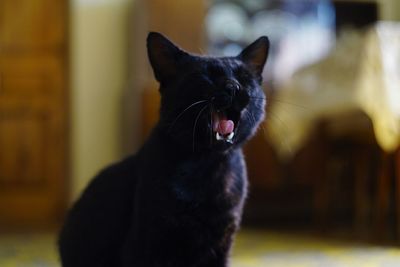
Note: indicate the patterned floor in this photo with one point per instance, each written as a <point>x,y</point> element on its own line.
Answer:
<point>252,249</point>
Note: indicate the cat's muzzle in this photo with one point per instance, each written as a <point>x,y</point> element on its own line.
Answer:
<point>227,104</point>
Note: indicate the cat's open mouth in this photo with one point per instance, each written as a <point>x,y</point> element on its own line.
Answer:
<point>224,125</point>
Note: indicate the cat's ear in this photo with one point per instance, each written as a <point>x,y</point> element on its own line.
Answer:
<point>164,56</point>
<point>255,55</point>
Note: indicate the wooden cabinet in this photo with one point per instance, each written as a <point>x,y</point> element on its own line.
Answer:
<point>33,103</point>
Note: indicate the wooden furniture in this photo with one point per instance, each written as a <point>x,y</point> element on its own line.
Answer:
<point>347,151</point>
<point>397,194</point>
<point>33,111</point>
<point>355,175</point>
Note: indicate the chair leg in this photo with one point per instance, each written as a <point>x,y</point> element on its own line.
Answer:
<point>383,197</point>
<point>321,202</point>
<point>321,190</point>
<point>362,201</point>
<point>397,192</point>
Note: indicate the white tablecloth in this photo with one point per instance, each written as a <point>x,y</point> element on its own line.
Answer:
<point>362,73</point>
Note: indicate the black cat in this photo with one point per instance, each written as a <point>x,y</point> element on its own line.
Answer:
<point>179,200</point>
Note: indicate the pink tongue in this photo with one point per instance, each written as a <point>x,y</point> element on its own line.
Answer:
<point>225,127</point>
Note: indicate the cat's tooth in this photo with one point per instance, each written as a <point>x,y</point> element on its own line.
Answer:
<point>230,136</point>
<point>218,136</point>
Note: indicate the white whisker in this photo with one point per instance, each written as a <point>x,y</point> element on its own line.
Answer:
<point>181,114</point>
<point>195,123</point>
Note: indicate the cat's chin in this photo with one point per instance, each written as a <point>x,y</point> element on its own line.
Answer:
<point>222,145</point>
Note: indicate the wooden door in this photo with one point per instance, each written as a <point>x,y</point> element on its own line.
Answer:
<point>33,101</point>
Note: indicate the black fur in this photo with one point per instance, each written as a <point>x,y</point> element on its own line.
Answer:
<point>179,200</point>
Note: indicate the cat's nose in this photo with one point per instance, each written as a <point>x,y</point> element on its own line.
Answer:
<point>232,87</point>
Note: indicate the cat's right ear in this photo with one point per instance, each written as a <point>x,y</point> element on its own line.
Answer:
<point>164,56</point>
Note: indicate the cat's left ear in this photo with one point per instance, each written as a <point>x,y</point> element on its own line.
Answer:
<point>255,55</point>
<point>164,56</point>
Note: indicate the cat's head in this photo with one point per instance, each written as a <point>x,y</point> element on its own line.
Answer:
<point>208,103</point>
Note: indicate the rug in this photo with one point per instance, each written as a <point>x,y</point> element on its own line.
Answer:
<point>252,249</point>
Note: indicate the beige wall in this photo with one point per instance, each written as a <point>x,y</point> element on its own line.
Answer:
<point>390,9</point>
<point>99,78</point>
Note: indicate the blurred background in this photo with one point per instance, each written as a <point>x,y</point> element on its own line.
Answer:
<point>77,93</point>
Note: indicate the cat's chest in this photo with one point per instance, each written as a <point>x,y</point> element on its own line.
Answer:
<point>216,187</point>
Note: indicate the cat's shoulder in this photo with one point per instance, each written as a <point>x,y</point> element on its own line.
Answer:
<point>123,167</point>
<point>116,177</point>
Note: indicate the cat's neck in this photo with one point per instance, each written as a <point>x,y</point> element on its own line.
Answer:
<point>160,143</point>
